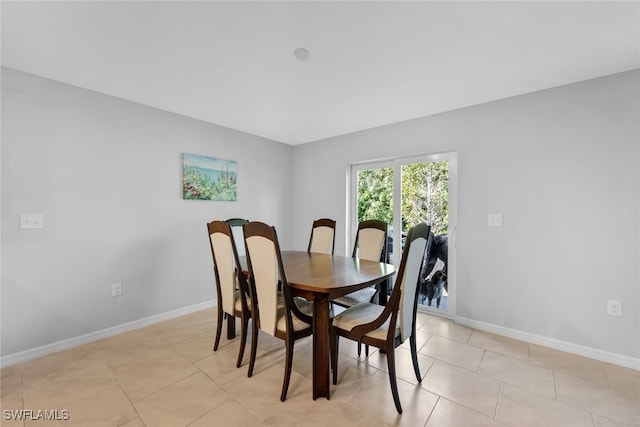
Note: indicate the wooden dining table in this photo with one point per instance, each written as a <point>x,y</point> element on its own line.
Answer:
<point>321,278</point>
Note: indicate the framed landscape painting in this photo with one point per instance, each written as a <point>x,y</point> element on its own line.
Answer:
<point>208,178</point>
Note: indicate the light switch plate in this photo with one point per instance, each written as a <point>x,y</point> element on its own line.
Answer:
<point>31,221</point>
<point>495,220</point>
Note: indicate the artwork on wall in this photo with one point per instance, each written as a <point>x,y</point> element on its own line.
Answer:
<point>208,178</point>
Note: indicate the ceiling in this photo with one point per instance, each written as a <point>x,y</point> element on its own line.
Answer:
<point>371,63</point>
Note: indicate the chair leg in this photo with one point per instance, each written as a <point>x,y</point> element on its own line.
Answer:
<point>414,357</point>
<point>391,363</point>
<point>254,346</point>
<point>218,328</point>
<point>333,343</point>
<point>289,341</point>
<point>243,339</point>
<point>366,350</point>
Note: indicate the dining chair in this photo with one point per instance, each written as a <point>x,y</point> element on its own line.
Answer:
<point>238,237</point>
<point>231,283</point>
<point>370,245</point>
<point>275,311</point>
<point>323,236</point>
<point>387,327</point>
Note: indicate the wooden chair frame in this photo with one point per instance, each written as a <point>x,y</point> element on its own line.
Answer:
<point>289,336</point>
<point>372,223</point>
<point>245,312</point>
<point>323,222</point>
<point>389,314</point>
<point>237,223</point>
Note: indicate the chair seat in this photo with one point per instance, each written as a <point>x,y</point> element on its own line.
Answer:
<point>237,304</point>
<point>360,314</point>
<point>362,295</point>
<point>305,307</point>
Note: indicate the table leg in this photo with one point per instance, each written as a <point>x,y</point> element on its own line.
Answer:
<point>231,327</point>
<point>384,291</point>
<point>320,346</point>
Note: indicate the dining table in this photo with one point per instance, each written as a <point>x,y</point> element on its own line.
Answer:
<point>320,278</point>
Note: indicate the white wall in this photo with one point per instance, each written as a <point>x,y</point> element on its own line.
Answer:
<point>562,165</point>
<point>106,174</point>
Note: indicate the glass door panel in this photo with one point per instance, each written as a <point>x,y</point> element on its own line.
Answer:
<point>374,199</point>
<point>404,192</point>
<point>425,198</point>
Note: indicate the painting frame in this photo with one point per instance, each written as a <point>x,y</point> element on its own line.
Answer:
<point>209,178</point>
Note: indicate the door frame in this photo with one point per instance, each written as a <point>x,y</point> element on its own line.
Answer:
<point>397,163</point>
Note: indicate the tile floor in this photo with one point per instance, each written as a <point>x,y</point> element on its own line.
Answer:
<point>167,375</point>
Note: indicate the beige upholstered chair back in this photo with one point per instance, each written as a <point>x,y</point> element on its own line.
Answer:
<point>223,259</point>
<point>370,244</point>
<point>323,236</point>
<point>322,240</point>
<point>409,282</point>
<point>264,269</point>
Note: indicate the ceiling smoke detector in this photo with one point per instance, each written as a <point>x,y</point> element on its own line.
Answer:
<point>301,54</point>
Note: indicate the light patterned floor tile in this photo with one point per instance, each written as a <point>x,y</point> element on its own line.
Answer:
<point>519,373</point>
<point>136,422</point>
<point>11,385</point>
<point>108,408</point>
<point>229,414</point>
<point>220,365</point>
<point>520,407</point>
<point>59,364</point>
<point>403,364</point>
<point>182,403</point>
<point>560,361</point>
<point>597,398</point>
<point>198,347</point>
<point>169,373</point>
<point>464,387</point>
<point>453,352</point>
<point>446,328</point>
<point>600,421</point>
<point>623,379</point>
<point>353,374</point>
<point>375,398</point>
<point>501,345</point>
<point>261,395</point>
<point>450,414</point>
<point>142,380</point>
<point>63,391</point>
<point>421,339</point>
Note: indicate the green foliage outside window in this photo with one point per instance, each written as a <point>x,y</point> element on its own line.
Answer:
<point>375,194</point>
<point>425,195</point>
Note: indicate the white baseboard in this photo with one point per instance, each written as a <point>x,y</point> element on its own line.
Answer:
<point>34,353</point>
<point>592,353</point>
<point>23,356</point>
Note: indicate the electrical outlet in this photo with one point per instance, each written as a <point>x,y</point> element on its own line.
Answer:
<point>494,220</point>
<point>614,308</point>
<point>31,221</point>
<point>116,289</point>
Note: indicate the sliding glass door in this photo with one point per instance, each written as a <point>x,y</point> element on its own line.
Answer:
<point>404,192</point>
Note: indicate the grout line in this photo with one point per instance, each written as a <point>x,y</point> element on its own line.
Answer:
<point>484,353</point>
<point>495,413</point>
<point>433,410</point>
